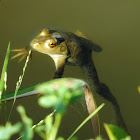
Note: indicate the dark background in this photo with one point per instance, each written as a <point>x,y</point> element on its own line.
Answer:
<point>114,25</point>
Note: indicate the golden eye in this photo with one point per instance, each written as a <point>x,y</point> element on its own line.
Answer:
<point>52,43</point>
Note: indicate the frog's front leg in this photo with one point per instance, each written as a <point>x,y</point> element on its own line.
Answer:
<point>59,64</point>
<point>23,52</point>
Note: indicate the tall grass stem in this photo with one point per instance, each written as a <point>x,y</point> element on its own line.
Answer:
<point>18,84</point>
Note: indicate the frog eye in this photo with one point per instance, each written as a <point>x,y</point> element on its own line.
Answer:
<point>51,43</point>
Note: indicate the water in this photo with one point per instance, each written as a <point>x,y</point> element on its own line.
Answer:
<point>112,24</point>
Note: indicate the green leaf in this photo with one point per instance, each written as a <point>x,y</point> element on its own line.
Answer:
<point>60,85</point>
<point>60,92</point>
<point>4,73</point>
<point>99,138</point>
<point>39,128</point>
<point>50,87</point>
<point>74,138</point>
<point>127,138</point>
<point>60,138</point>
<point>27,132</point>
<point>22,93</point>
<point>114,132</point>
<point>49,125</point>
<point>76,96</point>
<point>8,130</point>
<point>60,106</point>
<point>47,101</point>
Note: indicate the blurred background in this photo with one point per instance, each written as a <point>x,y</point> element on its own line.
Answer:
<point>114,25</point>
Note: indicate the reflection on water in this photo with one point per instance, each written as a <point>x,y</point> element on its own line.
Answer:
<point>112,24</point>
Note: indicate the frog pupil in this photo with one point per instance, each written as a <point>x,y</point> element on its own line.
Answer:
<point>51,44</point>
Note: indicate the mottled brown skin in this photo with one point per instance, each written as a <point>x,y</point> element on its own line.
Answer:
<point>66,48</point>
<point>69,48</point>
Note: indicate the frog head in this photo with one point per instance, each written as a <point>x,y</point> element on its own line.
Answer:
<point>49,42</point>
<point>52,43</point>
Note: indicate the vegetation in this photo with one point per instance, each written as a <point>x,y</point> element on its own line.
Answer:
<point>58,98</point>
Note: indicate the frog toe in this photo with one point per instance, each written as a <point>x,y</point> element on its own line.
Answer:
<point>21,52</point>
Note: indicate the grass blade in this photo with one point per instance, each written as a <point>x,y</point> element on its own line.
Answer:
<point>4,73</point>
<point>21,93</point>
<point>20,81</point>
<point>88,118</point>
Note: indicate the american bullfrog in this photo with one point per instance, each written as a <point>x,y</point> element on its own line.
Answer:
<point>67,48</point>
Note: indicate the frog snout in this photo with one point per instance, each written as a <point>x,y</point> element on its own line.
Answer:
<point>34,43</point>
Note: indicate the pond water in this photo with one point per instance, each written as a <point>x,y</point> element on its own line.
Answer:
<point>114,25</point>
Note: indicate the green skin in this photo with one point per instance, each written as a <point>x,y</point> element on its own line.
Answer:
<point>66,48</point>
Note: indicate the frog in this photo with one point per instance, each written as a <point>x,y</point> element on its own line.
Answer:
<point>74,49</point>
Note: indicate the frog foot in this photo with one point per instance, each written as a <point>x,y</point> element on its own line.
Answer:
<point>20,52</point>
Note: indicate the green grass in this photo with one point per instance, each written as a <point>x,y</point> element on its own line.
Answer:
<point>56,94</point>
<point>3,79</point>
